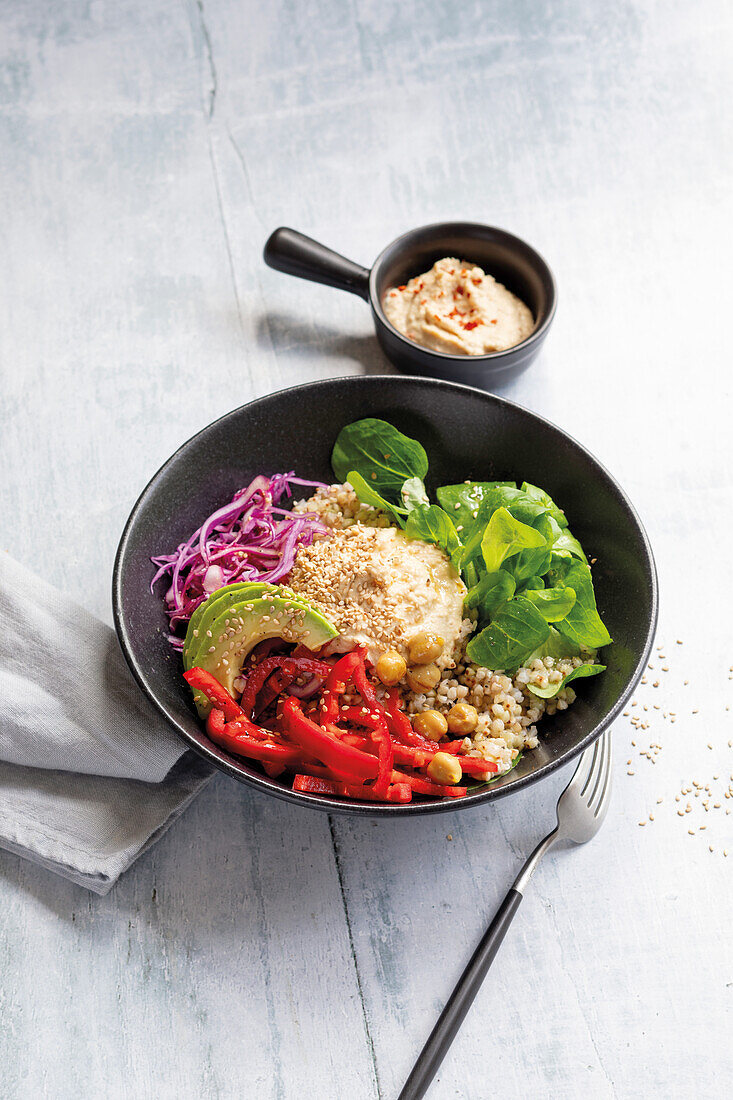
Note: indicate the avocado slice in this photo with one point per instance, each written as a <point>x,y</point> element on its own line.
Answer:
<point>204,615</point>
<point>240,625</point>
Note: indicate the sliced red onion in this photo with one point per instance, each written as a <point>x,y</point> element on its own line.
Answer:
<point>305,691</point>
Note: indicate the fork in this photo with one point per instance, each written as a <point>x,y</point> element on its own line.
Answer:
<point>581,809</point>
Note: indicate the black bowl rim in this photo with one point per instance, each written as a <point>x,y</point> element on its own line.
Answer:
<point>375,809</point>
<point>535,337</point>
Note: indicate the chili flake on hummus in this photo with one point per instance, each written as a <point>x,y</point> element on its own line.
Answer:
<point>458,309</point>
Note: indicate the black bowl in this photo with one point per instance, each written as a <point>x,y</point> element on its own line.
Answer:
<point>467,434</point>
<point>508,258</point>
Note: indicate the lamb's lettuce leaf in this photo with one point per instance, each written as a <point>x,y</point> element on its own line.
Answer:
<point>555,645</point>
<point>490,592</point>
<point>506,536</point>
<point>541,497</point>
<point>578,673</point>
<point>461,501</point>
<point>431,524</point>
<point>535,560</point>
<point>553,604</point>
<point>516,630</point>
<point>382,455</point>
<point>413,495</point>
<point>582,623</point>
<point>369,495</point>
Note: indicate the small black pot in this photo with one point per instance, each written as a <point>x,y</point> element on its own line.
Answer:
<point>510,260</point>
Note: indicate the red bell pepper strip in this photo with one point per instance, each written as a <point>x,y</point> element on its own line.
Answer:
<point>259,673</point>
<point>403,754</point>
<point>276,684</point>
<point>400,725</point>
<point>273,752</point>
<point>396,792</point>
<point>414,757</point>
<point>371,720</point>
<point>365,689</point>
<point>313,784</point>
<point>335,685</point>
<point>380,732</point>
<point>203,681</point>
<point>385,756</point>
<point>380,737</point>
<point>346,762</point>
<point>477,767</point>
<point>215,723</point>
<point>420,785</point>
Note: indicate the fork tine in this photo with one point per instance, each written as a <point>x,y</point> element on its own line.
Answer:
<point>606,790</point>
<point>591,765</point>
<point>599,763</point>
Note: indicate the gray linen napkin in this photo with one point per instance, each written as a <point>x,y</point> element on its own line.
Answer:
<point>90,776</point>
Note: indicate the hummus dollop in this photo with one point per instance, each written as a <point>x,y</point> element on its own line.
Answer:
<point>380,588</point>
<point>458,309</point>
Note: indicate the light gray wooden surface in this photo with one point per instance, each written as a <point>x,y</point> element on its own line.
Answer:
<point>147,149</point>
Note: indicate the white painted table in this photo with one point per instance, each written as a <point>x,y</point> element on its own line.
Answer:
<point>147,150</point>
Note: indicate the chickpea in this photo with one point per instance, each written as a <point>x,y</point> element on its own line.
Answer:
<point>431,724</point>
<point>462,718</point>
<point>424,648</point>
<point>391,667</point>
<point>444,768</point>
<point>423,678</point>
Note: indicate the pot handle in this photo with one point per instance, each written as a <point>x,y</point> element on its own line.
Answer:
<point>295,254</point>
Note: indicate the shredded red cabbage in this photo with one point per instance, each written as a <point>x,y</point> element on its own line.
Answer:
<point>248,539</point>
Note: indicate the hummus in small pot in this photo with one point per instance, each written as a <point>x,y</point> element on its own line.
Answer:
<point>458,309</point>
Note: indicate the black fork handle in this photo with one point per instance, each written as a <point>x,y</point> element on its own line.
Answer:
<point>461,999</point>
<point>295,254</point>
